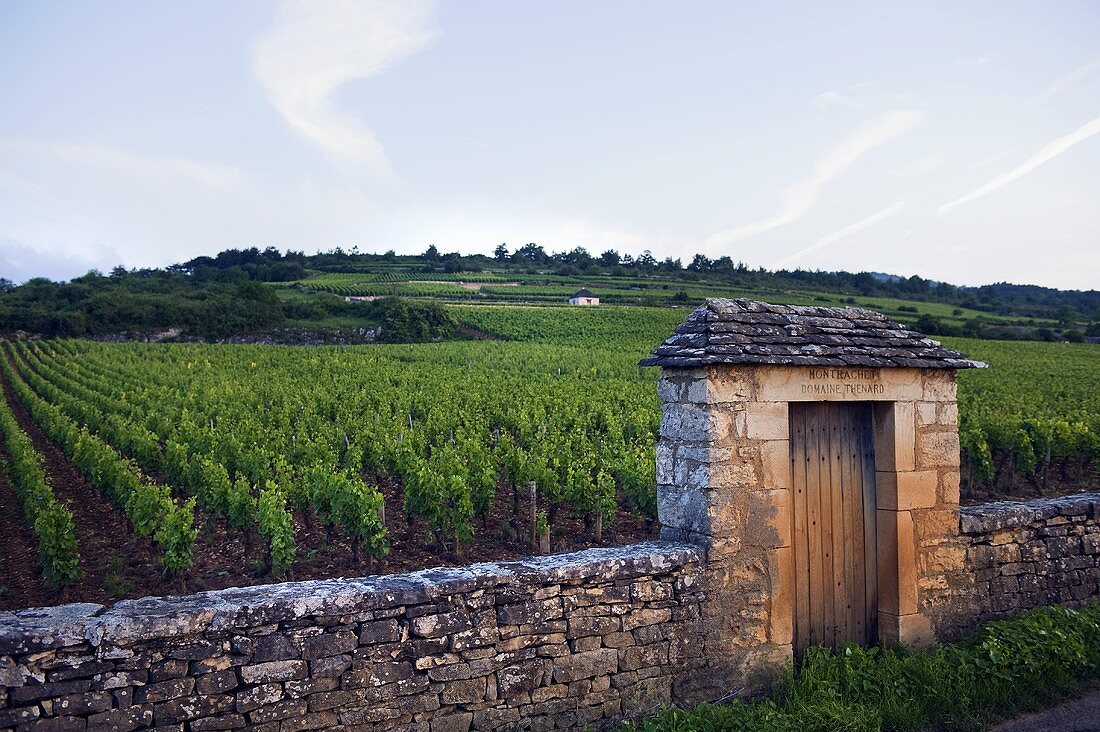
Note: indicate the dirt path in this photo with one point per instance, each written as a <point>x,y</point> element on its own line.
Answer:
<point>1079,715</point>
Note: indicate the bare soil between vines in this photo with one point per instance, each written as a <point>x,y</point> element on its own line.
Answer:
<point>116,565</point>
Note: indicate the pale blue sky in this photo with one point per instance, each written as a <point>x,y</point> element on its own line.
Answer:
<point>957,141</point>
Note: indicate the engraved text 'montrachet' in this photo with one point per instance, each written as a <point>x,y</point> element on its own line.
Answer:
<point>844,381</point>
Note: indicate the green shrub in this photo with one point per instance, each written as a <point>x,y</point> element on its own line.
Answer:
<point>406,321</point>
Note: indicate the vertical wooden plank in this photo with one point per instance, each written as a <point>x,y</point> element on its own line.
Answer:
<point>842,560</point>
<point>870,530</point>
<point>832,538</point>
<point>854,477</point>
<point>799,538</point>
<point>844,527</point>
<point>813,514</point>
<point>826,523</point>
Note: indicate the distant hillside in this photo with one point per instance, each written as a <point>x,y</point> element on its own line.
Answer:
<point>295,289</point>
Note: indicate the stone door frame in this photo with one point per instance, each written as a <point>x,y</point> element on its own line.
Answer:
<point>723,474</point>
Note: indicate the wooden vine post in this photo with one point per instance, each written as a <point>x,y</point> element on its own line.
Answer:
<point>534,494</point>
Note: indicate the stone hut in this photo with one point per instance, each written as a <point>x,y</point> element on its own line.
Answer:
<point>583,297</point>
<point>814,452</point>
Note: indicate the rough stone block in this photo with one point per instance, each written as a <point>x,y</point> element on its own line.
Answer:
<point>262,673</point>
<point>644,617</point>
<point>328,644</point>
<point>217,682</point>
<point>314,720</point>
<point>379,631</point>
<point>585,665</point>
<point>119,679</point>
<point>767,421</point>
<point>265,694</point>
<point>939,385</point>
<point>220,722</point>
<point>391,672</point>
<point>895,437</point>
<point>278,710</point>
<point>441,624</point>
<point>130,718</point>
<point>193,707</point>
<point>460,722</point>
<point>949,488</point>
<point>466,691</point>
<point>520,678</point>
<point>937,450</point>
<point>691,423</point>
<point>581,627</point>
<point>906,490</point>
<point>173,668</point>
<point>164,691</point>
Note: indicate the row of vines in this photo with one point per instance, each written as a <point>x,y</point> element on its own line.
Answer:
<point>51,520</point>
<point>250,434</point>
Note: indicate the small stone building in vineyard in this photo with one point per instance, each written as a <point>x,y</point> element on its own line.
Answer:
<point>584,297</point>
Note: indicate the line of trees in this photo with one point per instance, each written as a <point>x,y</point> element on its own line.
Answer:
<point>1027,301</point>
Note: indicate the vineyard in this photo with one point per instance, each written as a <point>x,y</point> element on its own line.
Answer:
<point>230,463</point>
<point>649,291</point>
<point>1031,422</point>
<point>265,446</point>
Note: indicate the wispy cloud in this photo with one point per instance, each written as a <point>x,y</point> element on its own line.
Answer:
<point>841,233</point>
<point>800,197</point>
<point>828,99</point>
<point>922,166</point>
<point>1048,152</point>
<point>855,95</point>
<point>139,169</point>
<point>1063,83</point>
<point>316,46</point>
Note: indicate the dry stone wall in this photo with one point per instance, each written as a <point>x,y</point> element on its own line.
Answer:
<point>559,642</point>
<point>556,642</point>
<point>1024,555</point>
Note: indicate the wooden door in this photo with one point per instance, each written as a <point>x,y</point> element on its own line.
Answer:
<point>833,484</point>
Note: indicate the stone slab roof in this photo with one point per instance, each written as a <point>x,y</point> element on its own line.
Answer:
<point>749,332</point>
